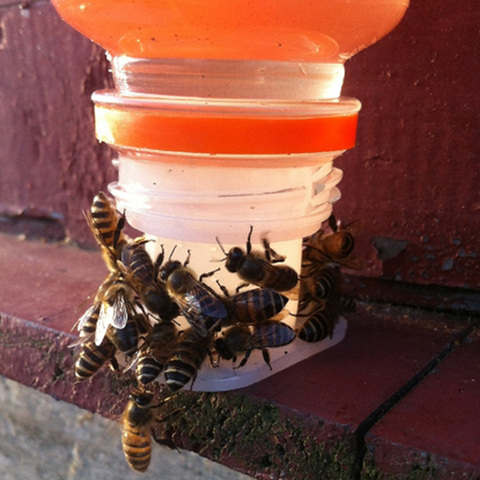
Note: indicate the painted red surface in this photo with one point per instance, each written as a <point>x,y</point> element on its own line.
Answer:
<point>42,290</point>
<point>412,178</point>
<point>378,356</point>
<point>436,417</point>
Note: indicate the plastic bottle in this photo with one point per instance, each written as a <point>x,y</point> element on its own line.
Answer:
<point>227,114</point>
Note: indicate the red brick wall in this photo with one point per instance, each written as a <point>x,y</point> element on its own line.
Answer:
<point>412,180</point>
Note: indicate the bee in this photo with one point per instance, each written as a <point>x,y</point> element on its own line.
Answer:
<point>138,420</point>
<point>320,284</point>
<point>258,268</point>
<point>155,352</point>
<point>117,303</point>
<point>336,247</point>
<point>92,357</point>
<point>106,225</point>
<point>126,339</point>
<point>115,298</point>
<point>137,266</point>
<point>244,338</point>
<point>187,358</point>
<point>87,323</point>
<point>200,305</point>
<point>252,306</point>
<point>319,323</point>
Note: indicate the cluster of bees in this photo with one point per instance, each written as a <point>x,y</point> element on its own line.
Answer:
<point>132,324</point>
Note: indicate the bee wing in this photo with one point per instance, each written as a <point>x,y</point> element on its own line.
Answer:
<point>104,320</point>
<point>199,305</point>
<point>120,312</point>
<point>86,316</point>
<point>200,300</point>
<point>197,323</point>
<point>133,362</point>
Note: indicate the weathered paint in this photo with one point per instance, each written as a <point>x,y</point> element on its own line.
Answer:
<point>412,177</point>
<point>301,419</point>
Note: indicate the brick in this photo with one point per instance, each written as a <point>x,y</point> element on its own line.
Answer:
<point>434,431</point>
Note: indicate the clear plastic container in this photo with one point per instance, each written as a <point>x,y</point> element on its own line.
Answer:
<point>281,30</point>
<point>227,114</point>
<point>185,207</point>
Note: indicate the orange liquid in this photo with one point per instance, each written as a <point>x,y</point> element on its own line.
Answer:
<point>224,134</point>
<point>293,30</point>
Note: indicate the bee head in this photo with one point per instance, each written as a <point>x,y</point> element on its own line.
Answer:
<point>141,398</point>
<point>222,349</point>
<point>234,257</point>
<point>168,269</point>
<point>177,281</point>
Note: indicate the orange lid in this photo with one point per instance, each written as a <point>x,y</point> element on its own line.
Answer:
<point>225,126</point>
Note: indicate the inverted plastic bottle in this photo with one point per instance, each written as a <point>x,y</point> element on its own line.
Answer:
<point>226,114</point>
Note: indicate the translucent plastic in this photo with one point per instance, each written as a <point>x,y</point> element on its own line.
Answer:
<point>280,30</point>
<point>227,114</point>
<point>206,257</point>
<point>230,79</point>
<point>164,198</point>
<point>216,127</point>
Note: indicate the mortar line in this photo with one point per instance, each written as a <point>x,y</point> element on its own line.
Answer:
<point>376,415</point>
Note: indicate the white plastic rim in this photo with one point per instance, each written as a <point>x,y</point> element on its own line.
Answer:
<point>196,202</point>
<point>208,257</point>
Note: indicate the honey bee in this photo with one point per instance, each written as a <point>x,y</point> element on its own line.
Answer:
<point>258,268</point>
<point>200,305</point>
<point>320,284</point>
<point>138,419</point>
<point>319,323</point>
<point>138,268</point>
<point>187,358</point>
<point>336,247</point>
<point>106,225</point>
<point>115,298</point>
<point>252,306</point>
<point>117,303</point>
<point>126,339</point>
<point>244,338</point>
<point>155,352</point>
<point>87,323</point>
<point>136,439</point>
<point>92,357</point>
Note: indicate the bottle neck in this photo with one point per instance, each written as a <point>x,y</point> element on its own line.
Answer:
<point>228,79</point>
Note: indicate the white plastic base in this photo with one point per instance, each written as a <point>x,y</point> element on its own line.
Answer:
<point>225,377</point>
<point>208,257</point>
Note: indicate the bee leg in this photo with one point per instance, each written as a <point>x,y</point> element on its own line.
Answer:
<point>168,442</point>
<point>266,357</point>
<point>270,254</point>
<point>223,288</point>
<point>242,285</point>
<point>158,262</point>
<point>114,364</point>
<point>332,223</point>
<point>207,274</point>
<point>245,358</point>
<point>249,240</point>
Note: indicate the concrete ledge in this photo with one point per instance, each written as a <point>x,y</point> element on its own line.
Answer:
<point>319,417</point>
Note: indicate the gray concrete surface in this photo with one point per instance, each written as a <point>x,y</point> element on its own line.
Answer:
<point>45,439</point>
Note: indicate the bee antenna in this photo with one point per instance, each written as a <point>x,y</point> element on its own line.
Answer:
<point>221,247</point>
<point>173,249</point>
